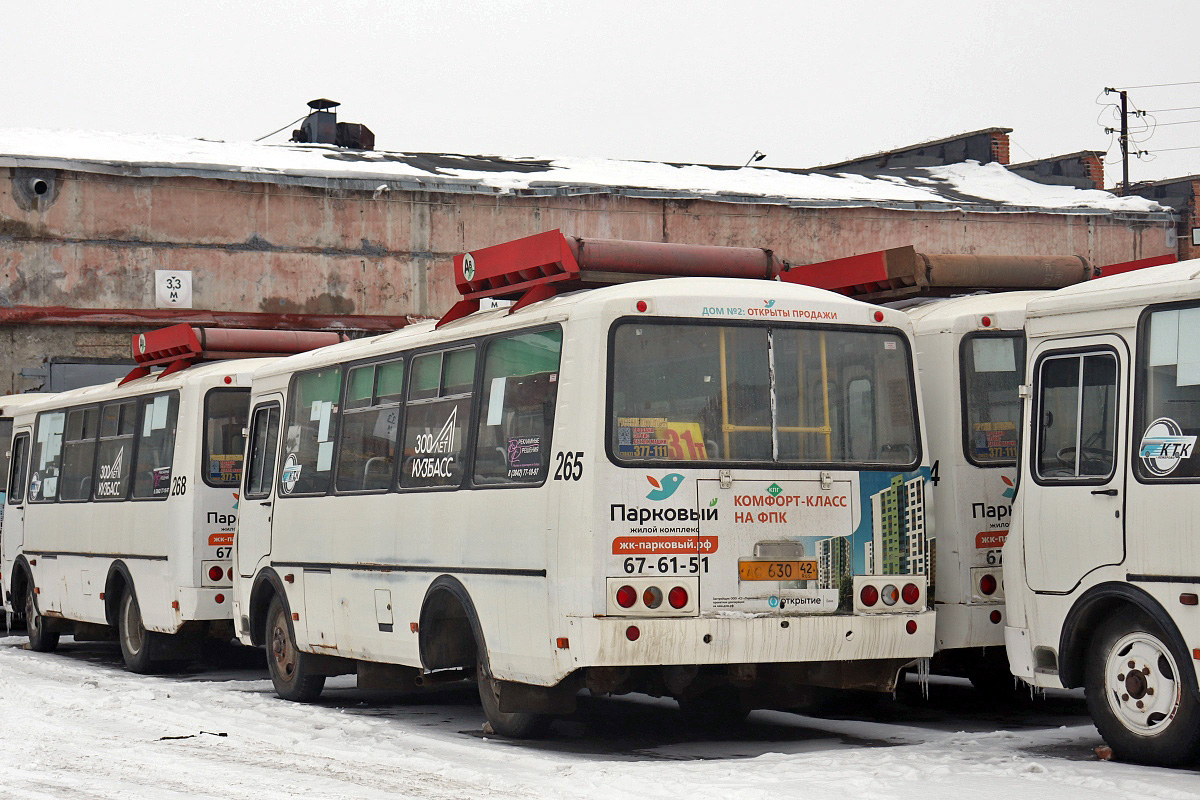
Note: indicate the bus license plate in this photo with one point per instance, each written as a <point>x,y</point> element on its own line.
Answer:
<point>777,570</point>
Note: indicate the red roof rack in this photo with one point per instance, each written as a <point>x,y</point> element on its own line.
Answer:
<point>536,267</point>
<point>1141,263</point>
<point>180,346</point>
<point>903,272</point>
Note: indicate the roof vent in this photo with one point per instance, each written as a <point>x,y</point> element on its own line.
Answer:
<point>321,127</point>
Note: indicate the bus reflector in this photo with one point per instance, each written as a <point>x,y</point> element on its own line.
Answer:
<point>987,322</point>
<point>632,633</point>
<point>37,590</point>
<point>879,316</point>
<point>228,379</point>
<point>414,627</point>
<point>220,598</point>
<point>175,604</point>
<point>869,595</point>
<point>626,597</point>
<point>911,626</point>
<point>295,617</point>
<point>889,594</point>
<point>642,306</point>
<point>995,617</point>
<point>678,597</point>
<point>1189,599</point>
<point>289,578</point>
<point>910,594</point>
<point>987,584</point>
<point>562,643</point>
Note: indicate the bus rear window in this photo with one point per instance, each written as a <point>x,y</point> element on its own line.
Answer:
<point>992,369</point>
<point>225,415</point>
<point>762,394</point>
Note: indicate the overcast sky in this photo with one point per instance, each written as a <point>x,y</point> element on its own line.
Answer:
<point>807,83</point>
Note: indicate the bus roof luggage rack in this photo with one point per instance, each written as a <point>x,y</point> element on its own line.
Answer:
<point>537,267</point>
<point>180,346</point>
<point>903,272</point>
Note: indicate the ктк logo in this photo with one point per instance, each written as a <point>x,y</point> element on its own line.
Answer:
<point>664,488</point>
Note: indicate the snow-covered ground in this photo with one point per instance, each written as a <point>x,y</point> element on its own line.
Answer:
<point>73,724</point>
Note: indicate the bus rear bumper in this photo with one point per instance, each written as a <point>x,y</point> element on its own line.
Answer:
<point>611,642</point>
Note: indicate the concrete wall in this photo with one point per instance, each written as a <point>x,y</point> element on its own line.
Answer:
<point>94,241</point>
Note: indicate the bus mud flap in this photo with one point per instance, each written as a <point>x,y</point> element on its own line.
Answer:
<point>518,697</point>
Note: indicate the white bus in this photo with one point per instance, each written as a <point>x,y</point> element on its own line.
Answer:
<point>122,500</point>
<point>8,406</point>
<point>704,488</point>
<point>971,360</point>
<point>1103,556</point>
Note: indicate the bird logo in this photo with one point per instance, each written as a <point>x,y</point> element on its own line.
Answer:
<point>769,303</point>
<point>1008,493</point>
<point>664,488</point>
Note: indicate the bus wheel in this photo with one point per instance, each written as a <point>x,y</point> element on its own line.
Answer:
<point>40,639</point>
<point>1137,695</point>
<point>512,724</point>
<point>285,663</point>
<point>138,645</point>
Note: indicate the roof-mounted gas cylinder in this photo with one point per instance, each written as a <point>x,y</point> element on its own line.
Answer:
<point>536,267</point>
<point>180,346</point>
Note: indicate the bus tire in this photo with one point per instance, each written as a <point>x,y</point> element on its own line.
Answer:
<point>510,724</point>
<point>40,639</point>
<point>293,680</point>
<point>139,647</point>
<point>1145,712</point>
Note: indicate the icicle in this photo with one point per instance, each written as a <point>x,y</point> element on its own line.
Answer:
<point>923,676</point>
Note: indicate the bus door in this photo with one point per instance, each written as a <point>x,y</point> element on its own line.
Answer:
<point>12,524</point>
<point>1076,498</point>
<point>253,539</point>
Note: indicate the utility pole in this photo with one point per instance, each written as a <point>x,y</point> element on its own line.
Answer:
<point>1124,140</point>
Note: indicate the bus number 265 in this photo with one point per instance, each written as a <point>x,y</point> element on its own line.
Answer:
<point>570,466</point>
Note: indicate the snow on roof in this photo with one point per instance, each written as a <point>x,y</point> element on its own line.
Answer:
<point>980,187</point>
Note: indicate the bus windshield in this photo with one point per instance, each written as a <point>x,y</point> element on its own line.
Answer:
<point>759,393</point>
<point>992,369</point>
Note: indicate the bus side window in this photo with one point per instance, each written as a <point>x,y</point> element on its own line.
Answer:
<point>17,465</point>
<point>370,422</point>
<point>114,457</point>
<point>47,457</point>
<point>1168,406</point>
<point>312,419</point>
<point>264,444</point>
<point>156,447</point>
<point>79,450</point>
<point>435,425</point>
<point>520,385</point>
<point>1077,442</point>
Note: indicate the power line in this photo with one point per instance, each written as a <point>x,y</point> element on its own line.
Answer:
<point>1159,85</point>
<point>282,128</point>
<point>1164,110</point>
<point>1183,122</point>
<point>1171,149</point>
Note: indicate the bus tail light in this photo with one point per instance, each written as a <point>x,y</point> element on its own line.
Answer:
<point>657,596</point>
<point>215,573</point>
<point>880,594</point>
<point>987,584</point>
